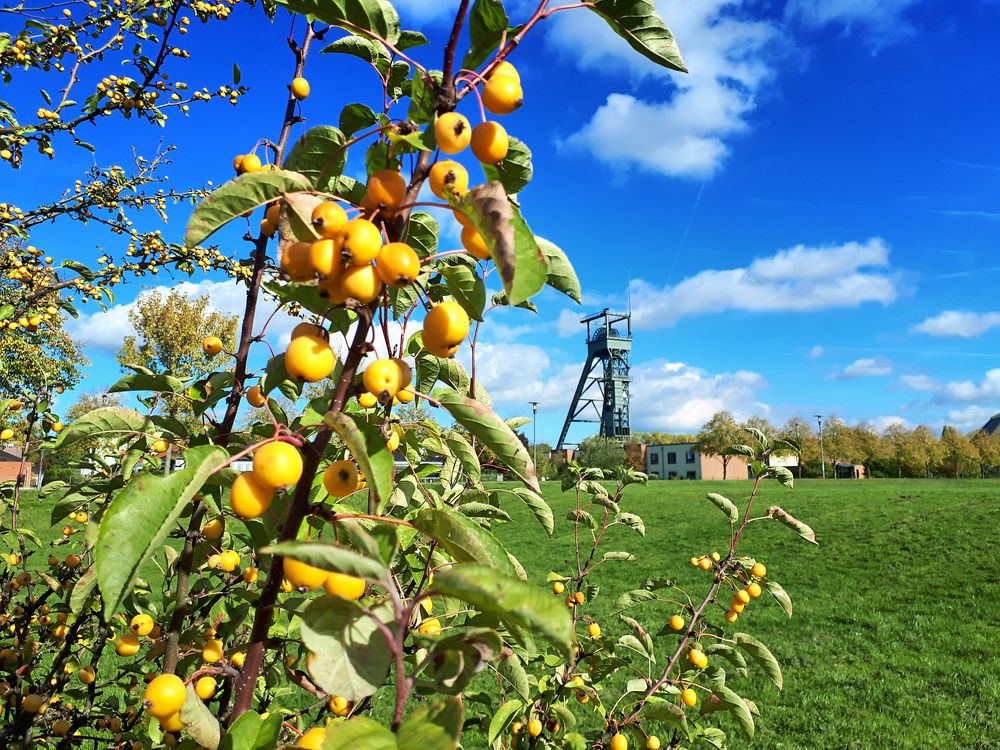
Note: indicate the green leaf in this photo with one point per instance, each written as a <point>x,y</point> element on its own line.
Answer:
<point>423,97</point>
<point>516,602</point>
<point>356,117</point>
<point>669,713</point>
<point>466,287</point>
<point>360,733</point>
<point>319,154</point>
<point>331,557</point>
<point>139,519</point>
<point>250,732</point>
<point>774,589</point>
<point>367,445</point>
<point>102,422</point>
<point>434,725</point>
<point>737,707</point>
<point>237,76</point>
<point>366,49</point>
<point>199,722</point>
<point>466,456</point>
<point>503,717</point>
<point>538,507</point>
<point>482,422</point>
<point>422,233</point>
<point>638,23</point>
<point>409,39</point>
<point>236,197</point>
<point>762,656</point>
<point>515,171</point>
<point>522,265</point>
<point>456,659</point>
<point>83,590</point>
<point>725,505</point>
<point>561,275</point>
<point>802,529</point>
<point>465,539</point>
<point>350,656</point>
<point>487,22</point>
<point>376,16</point>
<point>145,380</point>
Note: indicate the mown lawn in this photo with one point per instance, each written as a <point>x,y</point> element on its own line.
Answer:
<point>894,639</point>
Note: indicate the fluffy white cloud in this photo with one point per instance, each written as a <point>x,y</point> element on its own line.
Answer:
<point>881,19</point>
<point>665,395</point>
<point>685,133</point>
<point>568,323</point>
<point>677,396</point>
<point>105,331</point>
<point>816,352</point>
<point>883,423</point>
<point>865,368</point>
<point>971,417</point>
<point>514,374</point>
<point>787,281</point>
<point>959,323</point>
<point>955,391</point>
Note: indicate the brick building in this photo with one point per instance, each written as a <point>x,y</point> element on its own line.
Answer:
<point>686,461</point>
<point>10,465</point>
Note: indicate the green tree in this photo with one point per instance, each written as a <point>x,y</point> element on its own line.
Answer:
<point>959,456</point>
<point>719,434</point>
<point>34,358</point>
<point>169,333</point>
<point>598,452</point>
<point>988,446</point>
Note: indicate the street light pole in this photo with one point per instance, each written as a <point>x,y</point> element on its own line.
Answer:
<point>822,455</point>
<point>534,432</point>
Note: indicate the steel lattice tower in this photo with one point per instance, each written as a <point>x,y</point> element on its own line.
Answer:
<point>602,395</point>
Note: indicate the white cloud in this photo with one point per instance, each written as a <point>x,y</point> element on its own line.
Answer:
<point>678,396</point>
<point>686,133</point>
<point>971,417</point>
<point>922,383</point>
<point>957,391</point>
<point>865,368</point>
<point>883,423</point>
<point>881,19</point>
<point>787,281</point>
<point>568,323</point>
<point>107,330</point>
<point>514,374</point>
<point>816,352</point>
<point>959,323</point>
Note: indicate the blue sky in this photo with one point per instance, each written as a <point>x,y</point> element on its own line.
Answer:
<point>808,221</point>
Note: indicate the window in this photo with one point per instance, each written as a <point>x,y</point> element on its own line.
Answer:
<point>671,475</point>
<point>692,475</point>
<point>671,458</point>
<point>654,458</point>
<point>689,457</point>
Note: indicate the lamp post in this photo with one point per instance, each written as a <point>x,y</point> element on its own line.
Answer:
<point>534,432</point>
<point>822,455</point>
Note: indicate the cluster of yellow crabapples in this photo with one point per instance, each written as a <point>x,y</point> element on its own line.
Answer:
<point>166,694</point>
<point>349,259</point>
<point>677,623</point>
<point>742,596</point>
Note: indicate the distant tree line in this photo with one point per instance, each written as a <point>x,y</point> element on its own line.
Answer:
<point>895,451</point>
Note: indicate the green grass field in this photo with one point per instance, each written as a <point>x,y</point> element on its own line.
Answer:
<point>894,640</point>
